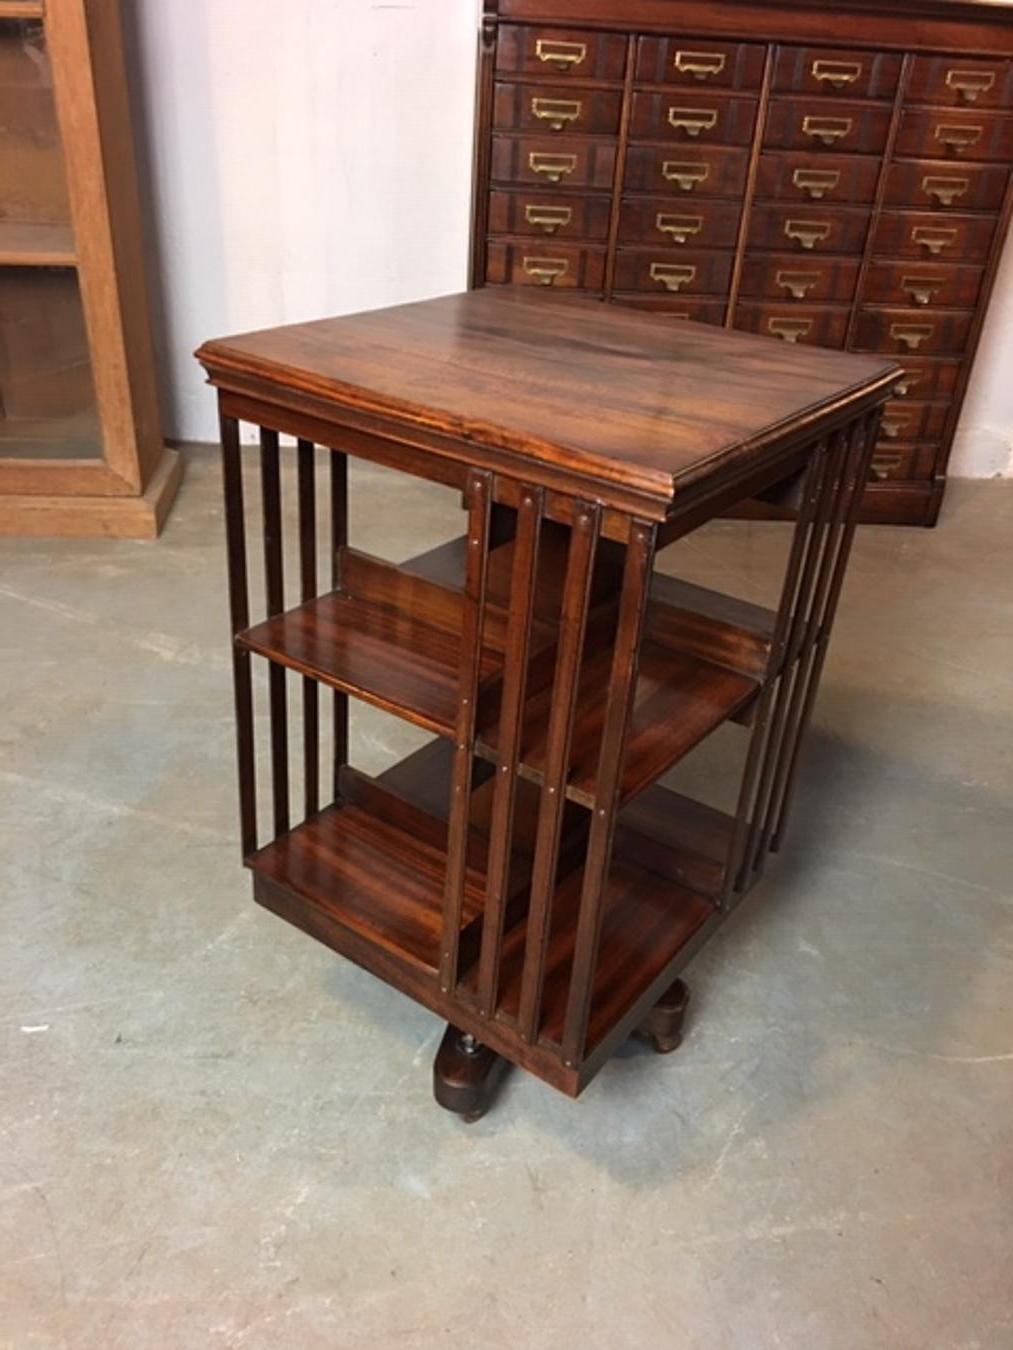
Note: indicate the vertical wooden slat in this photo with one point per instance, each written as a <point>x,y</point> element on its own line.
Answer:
<point>608,784</point>
<point>618,177</point>
<point>801,550</point>
<point>511,723</point>
<point>307,590</point>
<point>239,613</point>
<point>866,435</point>
<point>749,191</point>
<point>275,594</point>
<point>478,496</point>
<point>339,540</point>
<point>565,686</point>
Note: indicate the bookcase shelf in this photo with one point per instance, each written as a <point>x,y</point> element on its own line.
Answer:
<point>31,245</point>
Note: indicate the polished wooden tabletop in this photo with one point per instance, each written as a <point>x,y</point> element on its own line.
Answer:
<point>633,398</point>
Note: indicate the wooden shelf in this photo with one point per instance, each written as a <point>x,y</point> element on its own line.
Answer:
<point>21,9</point>
<point>51,438</point>
<point>36,245</point>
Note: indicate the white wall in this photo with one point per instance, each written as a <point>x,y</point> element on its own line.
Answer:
<point>314,157</point>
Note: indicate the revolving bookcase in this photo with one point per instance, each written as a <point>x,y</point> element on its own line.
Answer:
<point>525,875</point>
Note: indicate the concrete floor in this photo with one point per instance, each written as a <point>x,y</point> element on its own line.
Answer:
<point>217,1134</point>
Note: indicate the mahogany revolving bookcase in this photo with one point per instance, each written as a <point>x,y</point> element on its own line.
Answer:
<point>524,875</point>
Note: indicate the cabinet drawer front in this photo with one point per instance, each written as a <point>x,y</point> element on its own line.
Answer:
<point>906,420</point>
<point>788,277</point>
<point>818,325</point>
<point>693,118</point>
<point>903,462</point>
<point>699,63</point>
<point>548,215</point>
<point>817,178</point>
<point>562,266</point>
<point>955,135</point>
<point>925,378</point>
<point>703,224</point>
<point>905,234</point>
<point>815,124</point>
<point>674,307</point>
<point>826,70</point>
<point>525,50</point>
<point>692,272</point>
<point>960,187</point>
<point>952,81</point>
<point>542,159</point>
<point>922,284</point>
<point>558,108</point>
<point>912,332</point>
<point>808,230</point>
<point>716,172</point>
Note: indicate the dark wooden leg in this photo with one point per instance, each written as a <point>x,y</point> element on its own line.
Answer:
<point>466,1075</point>
<point>663,1024</point>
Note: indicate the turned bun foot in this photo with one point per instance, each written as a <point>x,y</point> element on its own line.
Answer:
<point>663,1025</point>
<point>466,1075</point>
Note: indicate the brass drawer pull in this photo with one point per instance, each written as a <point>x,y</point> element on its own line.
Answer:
<point>789,330</point>
<point>970,83</point>
<point>701,65</point>
<point>958,138</point>
<point>827,130</point>
<point>809,233</point>
<point>554,167</point>
<point>921,289</point>
<point>557,111</point>
<point>687,176</point>
<point>562,55</point>
<point>546,271</point>
<point>883,465</point>
<point>910,380</point>
<point>912,334</point>
<point>798,284</point>
<point>672,276</point>
<point>838,74</point>
<point>679,228</point>
<point>816,182</point>
<point>893,427</point>
<point>548,218</point>
<point>693,120</point>
<point>945,190</point>
<point>933,239</point>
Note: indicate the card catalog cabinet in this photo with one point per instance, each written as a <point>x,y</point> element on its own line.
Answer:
<point>837,176</point>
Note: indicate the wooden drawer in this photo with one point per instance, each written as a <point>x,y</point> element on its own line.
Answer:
<point>703,224</point>
<point>911,332</point>
<point>837,73</point>
<point>675,307</point>
<point>558,108</point>
<point>925,378</point>
<point>788,277</point>
<point>809,230</point>
<point>952,81</point>
<point>549,215</point>
<point>574,54</point>
<point>698,62</point>
<point>907,234</point>
<point>907,420</point>
<point>693,272</point>
<point>693,118</point>
<point>563,266</point>
<point>922,284</point>
<point>955,135</point>
<point>902,462</point>
<point>812,124</point>
<point>965,187</point>
<point>817,178</point>
<point>542,159</point>
<point>715,172</point>
<point>818,325</point>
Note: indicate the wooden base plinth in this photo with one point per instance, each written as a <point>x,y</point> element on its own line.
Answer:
<point>71,517</point>
<point>663,1025</point>
<point>466,1075</point>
